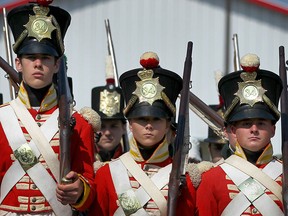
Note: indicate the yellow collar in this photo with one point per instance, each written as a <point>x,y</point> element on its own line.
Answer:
<point>49,101</point>
<point>160,154</point>
<point>265,157</point>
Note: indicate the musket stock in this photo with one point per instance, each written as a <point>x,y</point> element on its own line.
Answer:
<point>207,114</point>
<point>284,127</point>
<point>65,121</point>
<point>13,74</point>
<point>177,177</point>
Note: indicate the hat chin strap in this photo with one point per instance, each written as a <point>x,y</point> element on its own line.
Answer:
<point>168,103</point>
<point>19,40</point>
<point>58,34</point>
<point>271,106</point>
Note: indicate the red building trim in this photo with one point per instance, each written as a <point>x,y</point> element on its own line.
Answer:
<point>273,5</point>
<point>11,4</point>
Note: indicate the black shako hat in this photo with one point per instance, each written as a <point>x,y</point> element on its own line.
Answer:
<point>108,100</point>
<point>151,90</point>
<point>38,29</point>
<point>251,92</point>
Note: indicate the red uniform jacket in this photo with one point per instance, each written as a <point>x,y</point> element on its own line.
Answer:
<point>106,202</point>
<point>25,197</point>
<point>216,190</point>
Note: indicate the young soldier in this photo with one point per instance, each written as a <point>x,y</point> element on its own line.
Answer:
<point>137,182</point>
<point>29,136</point>
<point>215,142</point>
<point>108,102</point>
<point>248,182</point>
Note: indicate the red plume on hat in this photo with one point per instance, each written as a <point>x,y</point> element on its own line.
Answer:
<point>250,62</point>
<point>149,60</point>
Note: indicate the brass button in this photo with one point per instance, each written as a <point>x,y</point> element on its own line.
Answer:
<point>38,117</point>
<point>34,186</point>
<point>33,208</point>
<point>254,211</point>
<point>34,200</point>
<point>39,124</point>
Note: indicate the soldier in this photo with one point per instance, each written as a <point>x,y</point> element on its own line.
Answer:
<point>248,182</point>
<point>229,148</point>
<point>137,182</point>
<point>29,134</point>
<point>108,102</point>
<point>215,142</point>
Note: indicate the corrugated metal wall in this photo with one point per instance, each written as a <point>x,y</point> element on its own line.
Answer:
<point>165,26</point>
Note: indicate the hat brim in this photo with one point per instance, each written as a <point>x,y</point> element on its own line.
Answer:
<point>215,140</point>
<point>144,109</point>
<point>35,47</point>
<point>259,111</point>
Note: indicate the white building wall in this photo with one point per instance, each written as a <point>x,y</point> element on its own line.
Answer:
<point>165,27</point>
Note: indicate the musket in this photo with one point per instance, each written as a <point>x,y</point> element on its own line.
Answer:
<point>12,83</point>
<point>111,51</point>
<point>236,53</point>
<point>284,127</point>
<point>66,122</point>
<point>13,74</point>
<point>111,54</point>
<point>181,143</point>
<point>207,114</point>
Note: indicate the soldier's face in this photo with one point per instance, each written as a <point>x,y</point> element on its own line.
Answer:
<point>37,69</point>
<point>253,134</point>
<point>148,131</point>
<point>111,134</point>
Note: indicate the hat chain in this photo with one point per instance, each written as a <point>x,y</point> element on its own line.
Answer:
<point>19,40</point>
<point>168,103</point>
<point>58,34</point>
<point>130,104</point>
<point>271,105</point>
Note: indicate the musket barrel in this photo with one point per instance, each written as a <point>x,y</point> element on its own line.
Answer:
<point>65,121</point>
<point>111,51</point>
<point>284,127</point>
<point>236,53</point>
<point>179,152</point>
<point>13,94</point>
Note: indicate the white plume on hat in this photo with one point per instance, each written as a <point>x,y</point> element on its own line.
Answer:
<point>92,117</point>
<point>218,76</point>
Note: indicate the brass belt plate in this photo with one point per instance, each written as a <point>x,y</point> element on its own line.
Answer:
<point>129,202</point>
<point>251,189</point>
<point>25,156</point>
